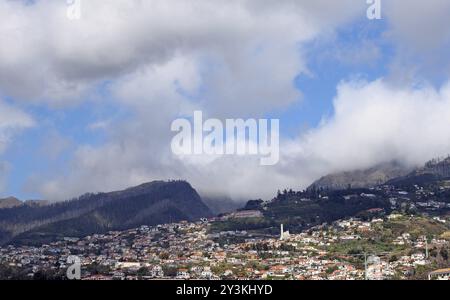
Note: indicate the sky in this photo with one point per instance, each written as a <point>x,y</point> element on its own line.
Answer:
<point>87,97</point>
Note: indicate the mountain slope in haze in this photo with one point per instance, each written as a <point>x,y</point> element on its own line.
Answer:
<point>361,178</point>
<point>434,170</point>
<point>37,202</point>
<point>10,202</point>
<point>148,204</point>
<point>221,205</point>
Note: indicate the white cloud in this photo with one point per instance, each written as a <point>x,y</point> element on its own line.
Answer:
<point>373,123</point>
<point>162,58</point>
<point>420,31</point>
<point>47,57</point>
<point>11,121</point>
<point>376,122</point>
<point>234,58</point>
<point>423,25</point>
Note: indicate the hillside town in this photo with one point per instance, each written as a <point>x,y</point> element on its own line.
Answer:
<point>349,249</point>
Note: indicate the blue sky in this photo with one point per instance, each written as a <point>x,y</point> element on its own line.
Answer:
<point>327,71</point>
<point>26,154</point>
<point>102,89</point>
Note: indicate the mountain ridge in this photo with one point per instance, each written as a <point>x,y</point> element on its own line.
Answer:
<point>365,178</point>
<point>151,203</point>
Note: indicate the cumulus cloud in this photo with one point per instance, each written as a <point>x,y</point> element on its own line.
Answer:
<point>424,26</point>
<point>240,60</point>
<point>11,121</point>
<point>373,122</point>
<point>161,58</point>
<point>236,58</point>
<point>46,56</point>
<point>376,122</point>
<point>420,31</point>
